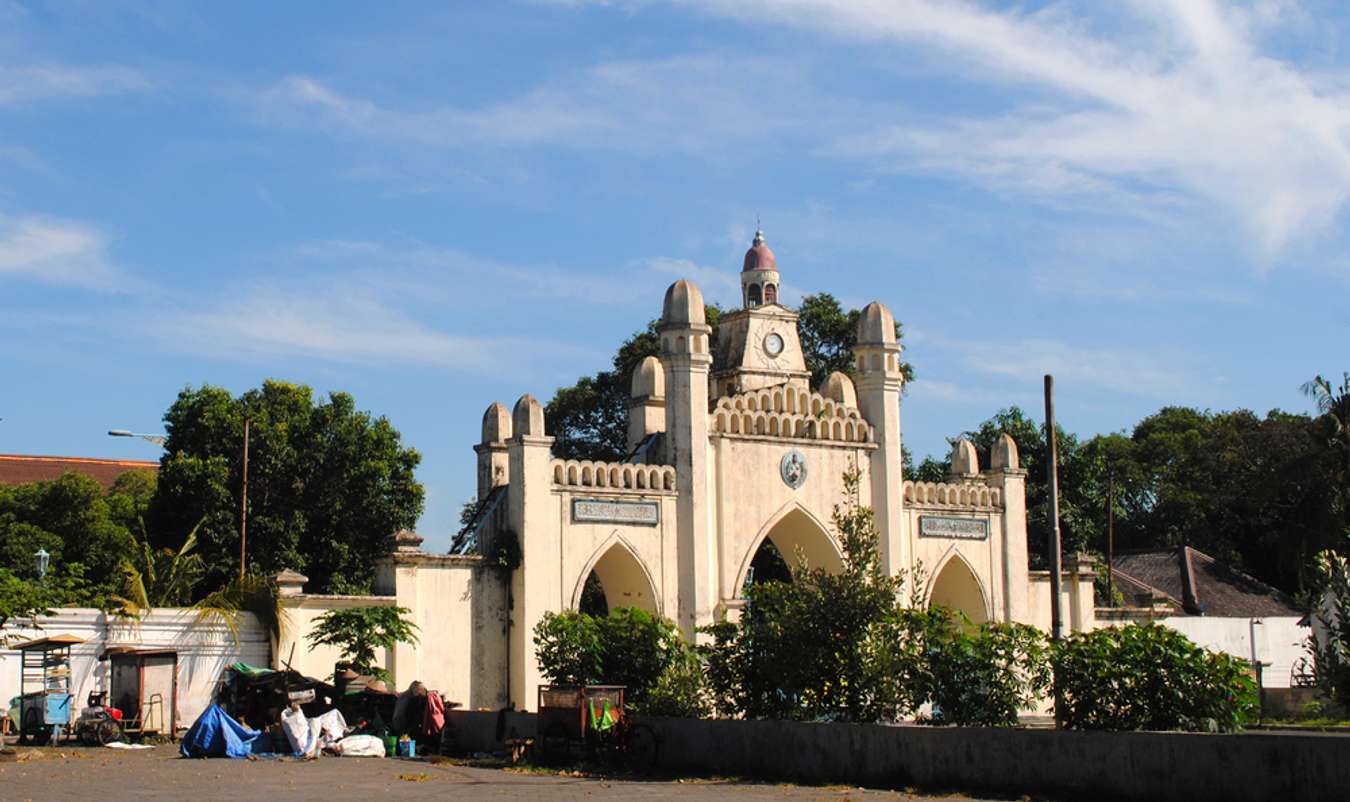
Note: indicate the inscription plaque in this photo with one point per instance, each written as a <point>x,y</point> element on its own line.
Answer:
<point>596,511</point>
<point>955,528</point>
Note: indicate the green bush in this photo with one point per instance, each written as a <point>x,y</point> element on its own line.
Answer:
<point>985,675</point>
<point>628,647</point>
<point>681,691</point>
<point>1331,651</point>
<point>1149,677</point>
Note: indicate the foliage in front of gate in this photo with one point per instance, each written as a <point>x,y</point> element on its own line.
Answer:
<point>628,647</point>
<point>825,646</point>
<point>983,676</point>
<point>1329,644</point>
<point>1149,677</point>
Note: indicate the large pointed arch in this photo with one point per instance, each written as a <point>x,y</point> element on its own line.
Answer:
<point>622,574</point>
<point>791,527</point>
<point>957,586</point>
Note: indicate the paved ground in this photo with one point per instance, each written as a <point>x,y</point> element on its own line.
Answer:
<point>76,773</point>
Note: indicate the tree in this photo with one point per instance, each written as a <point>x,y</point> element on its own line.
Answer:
<point>628,647</point>
<point>824,645</point>
<point>328,484</point>
<point>828,335</point>
<point>159,578</point>
<point>1329,645</point>
<point>360,631</point>
<point>86,531</point>
<point>21,603</point>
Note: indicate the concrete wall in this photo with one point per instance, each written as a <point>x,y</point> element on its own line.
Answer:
<point>1153,766</point>
<point>301,613</point>
<point>1279,641</point>
<point>203,651</point>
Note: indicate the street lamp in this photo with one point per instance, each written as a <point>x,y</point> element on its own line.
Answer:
<point>157,439</point>
<point>43,559</point>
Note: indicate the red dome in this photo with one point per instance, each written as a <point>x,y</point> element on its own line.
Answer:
<point>759,257</point>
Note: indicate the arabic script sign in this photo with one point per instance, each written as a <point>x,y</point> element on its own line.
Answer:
<point>595,511</point>
<point>957,528</point>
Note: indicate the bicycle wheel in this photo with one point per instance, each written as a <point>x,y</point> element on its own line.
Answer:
<point>109,731</point>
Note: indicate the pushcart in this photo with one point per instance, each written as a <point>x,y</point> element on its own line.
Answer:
<point>44,677</point>
<point>589,721</point>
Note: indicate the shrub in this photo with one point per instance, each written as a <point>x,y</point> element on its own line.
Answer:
<point>628,647</point>
<point>681,691</point>
<point>1329,644</point>
<point>985,675</point>
<point>360,631</point>
<point>1149,677</point>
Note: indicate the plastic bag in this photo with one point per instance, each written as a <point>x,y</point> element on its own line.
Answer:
<point>303,739</point>
<point>360,746</point>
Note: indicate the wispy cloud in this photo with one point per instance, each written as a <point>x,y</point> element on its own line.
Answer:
<point>272,321</point>
<point>692,103</point>
<point>49,81</point>
<point>58,252</point>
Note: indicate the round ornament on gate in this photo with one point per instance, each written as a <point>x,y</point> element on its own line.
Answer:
<point>793,469</point>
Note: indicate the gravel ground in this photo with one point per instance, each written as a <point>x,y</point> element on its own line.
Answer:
<point>105,775</point>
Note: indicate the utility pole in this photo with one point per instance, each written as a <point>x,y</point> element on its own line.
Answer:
<point>1110,534</point>
<point>1055,560</point>
<point>1056,601</point>
<point>243,509</point>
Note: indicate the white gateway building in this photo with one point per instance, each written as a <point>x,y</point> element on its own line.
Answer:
<point>732,449</point>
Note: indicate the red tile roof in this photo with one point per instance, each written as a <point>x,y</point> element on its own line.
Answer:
<point>17,469</point>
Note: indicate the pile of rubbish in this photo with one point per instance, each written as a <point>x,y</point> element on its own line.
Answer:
<point>260,711</point>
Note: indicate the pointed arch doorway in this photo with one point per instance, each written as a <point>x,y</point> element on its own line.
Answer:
<point>616,579</point>
<point>957,588</point>
<point>791,533</point>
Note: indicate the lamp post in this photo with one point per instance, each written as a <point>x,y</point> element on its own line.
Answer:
<point>43,559</point>
<point>157,439</point>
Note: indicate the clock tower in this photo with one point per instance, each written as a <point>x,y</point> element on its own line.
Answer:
<point>757,345</point>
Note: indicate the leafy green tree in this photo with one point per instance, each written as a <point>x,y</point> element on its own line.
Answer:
<point>360,631</point>
<point>828,335</point>
<point>1149,677</point>
<point>85,531</point>
<point>629,647</point>
<point>328,484</point>
<point>823,645</point>
<point>1329,645</point>
<point>21,603</point>
<point>983,675</point>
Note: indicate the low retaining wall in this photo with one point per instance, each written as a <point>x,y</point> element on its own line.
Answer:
<point>1151,766</point>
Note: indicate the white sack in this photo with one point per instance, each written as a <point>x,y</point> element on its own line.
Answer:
<point>361,746</point>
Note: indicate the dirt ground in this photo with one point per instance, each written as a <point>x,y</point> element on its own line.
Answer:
<point>77,773</point>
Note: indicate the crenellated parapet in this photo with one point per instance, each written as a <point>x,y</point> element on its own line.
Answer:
<point>952,494</point>
<point>613,475</point>
<point>788,412</point>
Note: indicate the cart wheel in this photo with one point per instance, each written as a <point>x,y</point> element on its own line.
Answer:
<point>87,733</point>
<point>108,731</point>
<point>640,749</point>
<point>34,732</point>
<point>553,744</point>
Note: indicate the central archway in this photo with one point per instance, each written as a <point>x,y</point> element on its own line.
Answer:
<point>957,588</point>
<point>623,578</point>
<point>792,532</point>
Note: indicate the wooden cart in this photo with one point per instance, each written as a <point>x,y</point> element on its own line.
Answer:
<point>589,721</point>
<point>44,685</point>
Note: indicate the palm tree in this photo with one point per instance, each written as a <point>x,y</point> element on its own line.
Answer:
<point>1334,424</point>
<point>248,594</point>
<point>163,578</point>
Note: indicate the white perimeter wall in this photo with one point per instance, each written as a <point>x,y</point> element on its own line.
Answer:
<point>203,651</point>
<point>1279,641</point>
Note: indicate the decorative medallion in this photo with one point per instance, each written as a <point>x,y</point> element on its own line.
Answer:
<point>793,469</point>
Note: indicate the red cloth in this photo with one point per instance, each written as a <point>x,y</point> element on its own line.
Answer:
<point>115,713</point>
<point>433,720</point>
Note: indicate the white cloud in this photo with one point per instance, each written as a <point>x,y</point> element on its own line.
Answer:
<point>57,252</point>
<point>1156,373</point>
<point>31,83</point>
<point>693,103</point>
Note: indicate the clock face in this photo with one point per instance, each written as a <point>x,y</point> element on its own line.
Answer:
<point>773,344</point>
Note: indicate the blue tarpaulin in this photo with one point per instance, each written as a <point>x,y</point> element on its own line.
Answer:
<point>215,734</point>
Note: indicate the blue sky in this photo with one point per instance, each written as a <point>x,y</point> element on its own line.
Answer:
<point>434,206</point>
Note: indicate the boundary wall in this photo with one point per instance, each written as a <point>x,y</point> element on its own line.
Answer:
<point>1161,766</point>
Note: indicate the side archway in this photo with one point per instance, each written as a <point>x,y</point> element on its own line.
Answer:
<point>957,587</point>
<point>793,530</point>
<point>623,577</point>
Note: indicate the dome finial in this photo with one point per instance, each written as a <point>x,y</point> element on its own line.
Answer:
<point>759,232</point>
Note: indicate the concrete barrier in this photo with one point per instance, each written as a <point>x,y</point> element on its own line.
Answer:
<point>1154,766</point>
